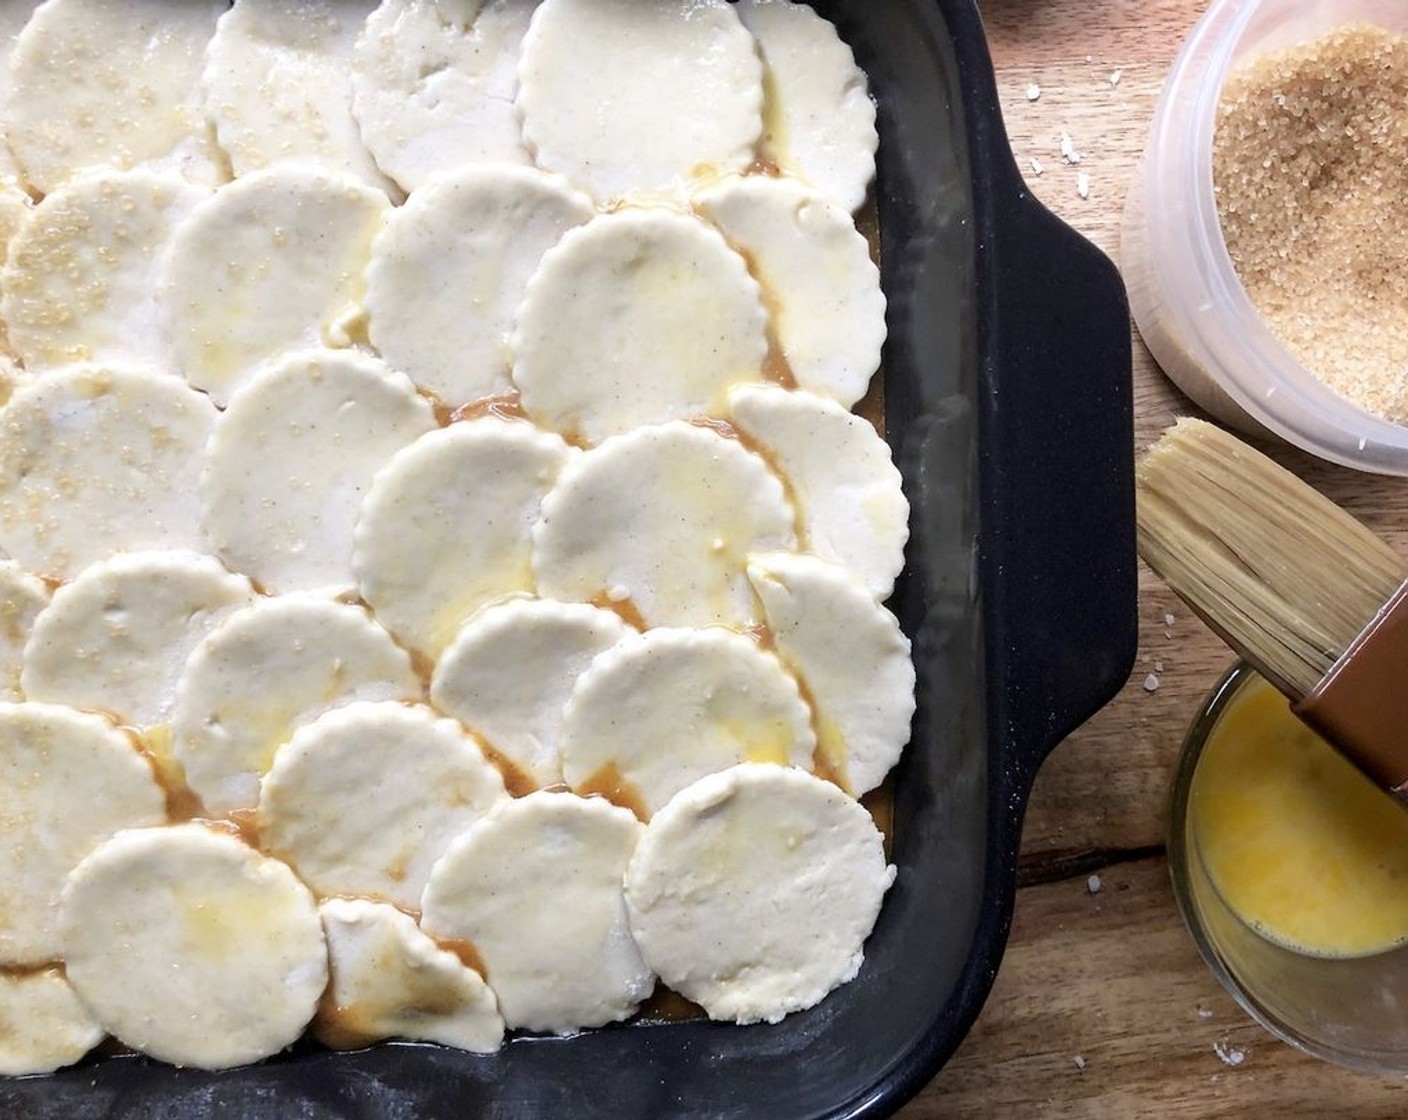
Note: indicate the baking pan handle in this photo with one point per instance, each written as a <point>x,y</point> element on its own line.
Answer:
<point>1059,471</point>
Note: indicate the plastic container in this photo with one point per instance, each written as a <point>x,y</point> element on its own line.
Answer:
<point>1191,309</point>
<point>1352,1011</point>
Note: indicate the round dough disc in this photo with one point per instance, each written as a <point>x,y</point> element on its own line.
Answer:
<point>43,1026</point>
<point>190,946</point>
<point>753,891</point>
<point>71,779</point>
<point>431,780</point>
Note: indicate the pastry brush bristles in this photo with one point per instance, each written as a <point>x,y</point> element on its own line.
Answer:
<point>1282,573</point>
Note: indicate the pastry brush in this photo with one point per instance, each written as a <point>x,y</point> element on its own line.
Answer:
<point>1304,592</point>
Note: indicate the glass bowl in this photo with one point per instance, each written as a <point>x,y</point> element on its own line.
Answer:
<point>1350,1011</point>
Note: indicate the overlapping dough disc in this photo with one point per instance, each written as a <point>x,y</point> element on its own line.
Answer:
<point>828,311</point>
<point>265,671</point>
<point>536,888</point>
<point>662,709</point>
<point>270,263</point>
<point>753,891</point>
<point>447,524</point>
<point>190,946</point>
<point>819,118</point>
<point>623,96</point>
<point>277,86</point>
<point>662,519</point>
<point>449,270</point>
<point>430,783</point>
<point>433,84</point>
<point>292,457</point>
<point>71,780</point>
<point>22,597</point>
<point>95,461</point>
<point>839,474</point>
<point>43,1026</point>
<point>852,656</point>
<point>108,82</point>
<point>80,282</point>
<point>510,670</point>
<point>116,638</point>
<point>636,317</point>
<point>390,980</point>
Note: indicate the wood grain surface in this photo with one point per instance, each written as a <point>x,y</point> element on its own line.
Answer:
<point>1102,1008</point>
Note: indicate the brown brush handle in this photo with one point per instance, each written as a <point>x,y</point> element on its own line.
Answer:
<point>1361,705</point>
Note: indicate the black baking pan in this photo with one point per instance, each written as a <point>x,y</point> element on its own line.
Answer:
<point>1009,407</point>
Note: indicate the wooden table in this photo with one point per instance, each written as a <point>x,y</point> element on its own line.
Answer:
<point>1102,1007</point>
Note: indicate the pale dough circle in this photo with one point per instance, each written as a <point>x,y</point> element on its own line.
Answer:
<point>242,928</point>
<point>116,638</point>
<point>449,270</point>
<point>674,550</point>
<point>510,670</point>
<point>262,673</point>
<point>71,780</point>
<point>536,888</point>
<point>636,317</point>
<point>662,709</point>
<point>22,597</point>
<point>446,526</point>
<point>431,783</point>
<point>291,458</point>
<point>623,96</point>
<point>95,461</point>
<point>753,891</point>
<point>43,1026</point>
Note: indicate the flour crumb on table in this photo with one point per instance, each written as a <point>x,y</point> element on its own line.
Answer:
<point>1115,76</point>
<point>1079,1062</point>
<point>1037,168</point>
<point>1093,884</point>
<point>1229,1054</point>
<point>1068,149</point>
<point>1083,185</point>
<point>1033,92</point>
<point>1151,683</point>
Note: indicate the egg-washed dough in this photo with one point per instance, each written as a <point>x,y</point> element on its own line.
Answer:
<point>819,120</point>
<point>753,891</point>
<point>664,708</point>
<point>536,888</point>
<point>265,671</point>
<point>433,83</point>
<point>852,656</point>
<point>416,780</point>
<point>71,779</point>
<point>22,597</point>
<point>662,520</point>
<point>291,458</point>
<point>390,980</point>
<point>270,263</point>
<point>191,947</point>
<point>510,670</point>
<point>448,273</point>
<point>277,86</point>
<point>828,311</point>
<point>636,317</point>
<point>80,282</point>
<point>623,96</point>
<point>15,205</point>
<point>97,460</point>
<point>116,638</point>
<point>839,474</point>
<point>43,1026</point>
<point>96,82</point>
<point>447,524</point>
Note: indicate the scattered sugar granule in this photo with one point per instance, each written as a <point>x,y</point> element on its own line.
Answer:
<point>1083,185</point>
<point>1115,76</point>
<point>1229,1054</point>
<point>1068,149</point>
<point>1079,1061</point>
<point>1151,683</point>
<point>1033,92</point>
<point>1037,169</point>
<point>1309,160</point>
<point>1093,884</point>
